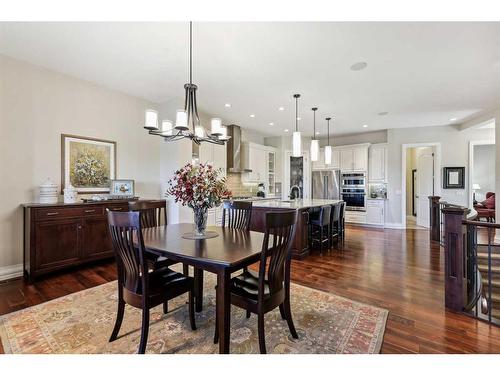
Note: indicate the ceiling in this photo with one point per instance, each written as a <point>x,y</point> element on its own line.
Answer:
<point>422,74</point>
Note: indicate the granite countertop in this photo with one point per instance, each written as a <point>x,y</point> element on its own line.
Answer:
<point>295,204</point>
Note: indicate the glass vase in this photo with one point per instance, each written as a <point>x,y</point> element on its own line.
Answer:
<point>200,220</point>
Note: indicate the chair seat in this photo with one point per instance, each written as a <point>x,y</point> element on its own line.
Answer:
<point>162,262</point>
<point>165,279</point>
<point>247,285</point>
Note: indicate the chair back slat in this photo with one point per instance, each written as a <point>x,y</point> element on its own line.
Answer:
<point>124,227</point>
<point>280,226</point>
<point>236,215</point>
<point>324,215</point>
<point>153,213</point>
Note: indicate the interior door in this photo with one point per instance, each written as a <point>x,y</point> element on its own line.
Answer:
<point>425,185</point>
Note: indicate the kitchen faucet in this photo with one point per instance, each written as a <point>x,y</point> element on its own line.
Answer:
<point>292,194</point>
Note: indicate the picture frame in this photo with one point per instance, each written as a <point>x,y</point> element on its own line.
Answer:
<point>454,178</point>
<point>89,164</point>
<point>122,188</point>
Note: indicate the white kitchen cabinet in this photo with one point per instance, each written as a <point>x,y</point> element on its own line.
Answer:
<point>377,163</point>
<point>213,154</point>
<point>320,164</point>
<point>254,157</point>
<point>356,217</point>
<point>271,172</point>
<point>354,158</point>
<point>375,212</point>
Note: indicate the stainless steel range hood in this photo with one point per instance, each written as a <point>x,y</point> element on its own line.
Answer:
<point>234,150</point>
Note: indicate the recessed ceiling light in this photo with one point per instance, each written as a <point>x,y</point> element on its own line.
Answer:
<point>227,105</point>
<point>359,66</point>
<point>365,126</point>
<point>383,113</point>
<point>298,119</point>
<point>252,115</point>
<point>271,123</point>
<point>286,130</point>
<point>281,108</point>
<point>453,119</point>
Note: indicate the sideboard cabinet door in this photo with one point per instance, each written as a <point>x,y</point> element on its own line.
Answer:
<point>57,243</point>
<point>96,238</point>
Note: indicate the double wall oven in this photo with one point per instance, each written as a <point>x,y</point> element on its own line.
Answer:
<point>353,191</point>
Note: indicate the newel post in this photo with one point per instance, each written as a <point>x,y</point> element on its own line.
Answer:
<point>434,221</point>
<point>455,285</point>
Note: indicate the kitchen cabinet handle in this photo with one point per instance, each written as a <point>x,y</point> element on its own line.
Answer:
<point>117,209</point>
<point>89,211</point>
<point>52,213</point>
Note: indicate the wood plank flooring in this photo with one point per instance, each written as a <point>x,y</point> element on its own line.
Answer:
<point>399,270</point>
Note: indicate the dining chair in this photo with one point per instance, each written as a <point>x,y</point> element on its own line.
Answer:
<point>318,225</point>
<point>153,213</point>
<point>262,292</point>
<point>138,285</point>
<point>238,214</point>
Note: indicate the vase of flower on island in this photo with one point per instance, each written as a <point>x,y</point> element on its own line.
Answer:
<point>200,187</point>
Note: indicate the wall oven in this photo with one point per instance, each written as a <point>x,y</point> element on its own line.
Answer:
<point>354,190</point>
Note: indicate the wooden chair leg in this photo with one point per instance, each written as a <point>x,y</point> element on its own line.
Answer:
<point>185,269</point>
<point>119,320</point>
<point>144,331</point>
<point>321,240</point>
<point>282,312</point>
<point>191,311</point>
<point>288,315</point>
<point>248,314</point>
<point>262,336</point>
<point>165,307</point>
<point>216,334</point>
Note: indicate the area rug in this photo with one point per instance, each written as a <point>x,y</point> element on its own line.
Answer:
<point>81,323</point>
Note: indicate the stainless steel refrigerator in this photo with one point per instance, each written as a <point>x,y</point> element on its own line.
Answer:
<point>326,184</point>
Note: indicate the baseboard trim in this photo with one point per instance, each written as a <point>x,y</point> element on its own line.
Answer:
<point>394,226</point>
<point>11,272</point>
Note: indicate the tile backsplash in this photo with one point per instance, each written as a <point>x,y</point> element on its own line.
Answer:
<point>235,185</point>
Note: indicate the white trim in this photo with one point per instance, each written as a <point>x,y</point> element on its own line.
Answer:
<point>437,173</point>
<point>471,165</point>
<point>394,226</point>
<point>11,272</point>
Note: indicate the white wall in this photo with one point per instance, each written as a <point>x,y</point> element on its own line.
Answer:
<point>454,153</point>
<point>36,107</point>
<point>484,170</point>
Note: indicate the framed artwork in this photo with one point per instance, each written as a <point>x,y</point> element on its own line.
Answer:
<point>89,164</point>
<point>453,178</point>
<point>122,188</point>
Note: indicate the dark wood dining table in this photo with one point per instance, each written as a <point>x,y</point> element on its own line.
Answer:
<point>230,251</point>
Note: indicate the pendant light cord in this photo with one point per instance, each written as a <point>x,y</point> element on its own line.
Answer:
<point>314,121</point>
<point>190,52</point>
<point>328,129</point>
<point>296,96</point>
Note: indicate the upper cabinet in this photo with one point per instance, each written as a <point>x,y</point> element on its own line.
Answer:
<point>320,164</point>
<point>255,157</point>
<point>354,159</point>
<point>213,154</point>
<point>377,165</point>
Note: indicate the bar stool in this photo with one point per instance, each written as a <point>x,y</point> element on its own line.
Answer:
<point>317,226</point>
<point>341,222</point>
<point>335,223</point>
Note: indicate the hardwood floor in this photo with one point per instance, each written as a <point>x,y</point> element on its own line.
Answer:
<point>399,270</point>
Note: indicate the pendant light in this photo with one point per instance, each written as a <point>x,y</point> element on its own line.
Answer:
<point>328,148</point>
<point>314,142</point>
<point>187,121</point>
<point>296,138</point>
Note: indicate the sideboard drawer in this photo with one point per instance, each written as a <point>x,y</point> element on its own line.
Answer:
<point>66,212</point>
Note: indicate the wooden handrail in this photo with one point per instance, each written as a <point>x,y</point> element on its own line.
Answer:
<point>481,224</point>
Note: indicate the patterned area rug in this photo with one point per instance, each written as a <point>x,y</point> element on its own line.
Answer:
<point>82,322</point>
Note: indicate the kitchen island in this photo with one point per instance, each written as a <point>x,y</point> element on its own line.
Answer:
<point>300,247</point>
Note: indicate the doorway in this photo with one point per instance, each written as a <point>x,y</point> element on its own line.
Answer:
<point>481,170</point>
<point>420,181</point>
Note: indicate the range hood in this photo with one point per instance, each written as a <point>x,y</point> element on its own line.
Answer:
<point>233,150</point>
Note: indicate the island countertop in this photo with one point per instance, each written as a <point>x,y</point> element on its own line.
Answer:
<point>295,203</point>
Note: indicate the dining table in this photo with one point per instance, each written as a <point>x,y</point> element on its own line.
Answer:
<point>229,251</point>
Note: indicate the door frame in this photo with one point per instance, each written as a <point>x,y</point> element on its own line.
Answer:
<point>413,174</point>
<point>437,172</point>
<point>471,166</point>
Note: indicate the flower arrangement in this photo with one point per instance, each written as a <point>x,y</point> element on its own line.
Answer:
<point>199,187</point>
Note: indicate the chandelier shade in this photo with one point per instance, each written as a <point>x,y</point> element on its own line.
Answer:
<point>151,119</point>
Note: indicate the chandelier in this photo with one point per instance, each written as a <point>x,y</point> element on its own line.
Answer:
<point>187,121</point>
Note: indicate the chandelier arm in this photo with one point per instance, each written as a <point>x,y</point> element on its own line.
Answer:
<point>195,107</point>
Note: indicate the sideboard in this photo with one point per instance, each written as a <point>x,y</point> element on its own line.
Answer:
<point>58,236</point>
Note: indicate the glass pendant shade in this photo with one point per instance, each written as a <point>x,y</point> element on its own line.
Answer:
<point>181,121</point>
<point>314,150</point>
<point>328,155</point>
<point>216,125</point>
<point>151,119</point>
<point>296,144</point>
<point>166,127</point>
